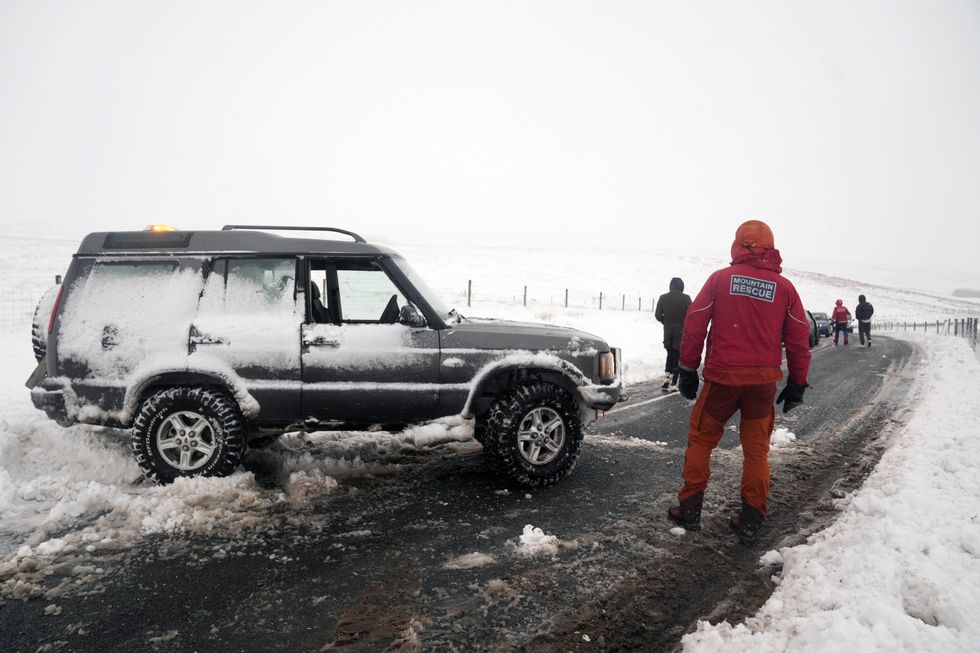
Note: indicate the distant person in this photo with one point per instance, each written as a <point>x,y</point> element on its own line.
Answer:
<point>839,317</point>
<point>752,310</point>
<point>670,311</point>
<point>863,313</point>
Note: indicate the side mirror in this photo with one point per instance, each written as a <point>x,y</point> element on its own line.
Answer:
<point>410,316</point>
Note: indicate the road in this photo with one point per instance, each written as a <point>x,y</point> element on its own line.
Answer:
<point>370,568</point>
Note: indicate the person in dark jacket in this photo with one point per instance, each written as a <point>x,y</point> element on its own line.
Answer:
<point>670,311</point>
<point>751,309</point>
<point>863,313</point>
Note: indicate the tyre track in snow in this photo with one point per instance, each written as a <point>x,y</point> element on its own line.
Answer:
<point>377,566</point>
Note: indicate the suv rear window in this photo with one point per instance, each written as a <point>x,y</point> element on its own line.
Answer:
<point>121,313</point>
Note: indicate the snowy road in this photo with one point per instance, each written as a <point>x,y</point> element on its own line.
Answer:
<point>431,557</point>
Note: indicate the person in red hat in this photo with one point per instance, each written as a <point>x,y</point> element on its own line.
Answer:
<point>839,319</point>
<point>752,310</point>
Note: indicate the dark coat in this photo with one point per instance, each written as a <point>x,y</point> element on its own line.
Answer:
<point>864,311</point>
<point>670,311</point>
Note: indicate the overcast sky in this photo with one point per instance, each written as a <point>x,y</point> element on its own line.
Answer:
<point>852,127</point>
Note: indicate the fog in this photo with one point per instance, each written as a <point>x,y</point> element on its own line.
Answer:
<point>852,128</point>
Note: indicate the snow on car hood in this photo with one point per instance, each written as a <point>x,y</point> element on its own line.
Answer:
<point>484,333</point>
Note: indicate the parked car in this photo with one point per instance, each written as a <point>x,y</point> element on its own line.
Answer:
<point>204,342</point>
<point>823,324</point>
<point>814,330</point>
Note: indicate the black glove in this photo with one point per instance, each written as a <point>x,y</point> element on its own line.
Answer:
<point>791,396</point>
<point>687,383</point>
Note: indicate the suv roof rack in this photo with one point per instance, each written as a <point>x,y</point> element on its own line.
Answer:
<point>235,227</point>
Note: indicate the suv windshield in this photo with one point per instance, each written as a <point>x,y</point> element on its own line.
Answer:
<point>430,297</point>
<point>819,316</point>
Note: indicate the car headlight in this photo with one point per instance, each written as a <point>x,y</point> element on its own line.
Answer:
<point>607,367</point>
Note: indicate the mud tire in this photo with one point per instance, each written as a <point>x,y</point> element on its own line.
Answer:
<point>503,423</point>
<point>222,414</point>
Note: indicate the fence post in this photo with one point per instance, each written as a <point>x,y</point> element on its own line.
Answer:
<point>600,300</point>
<point>624,302</point>
<point>639,305</point>
<point>566,297</point>
<point>469,292</point>
<point>525,295</point>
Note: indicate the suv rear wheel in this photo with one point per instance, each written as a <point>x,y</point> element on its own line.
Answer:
<point>533,433</point>
<point>185,431</point>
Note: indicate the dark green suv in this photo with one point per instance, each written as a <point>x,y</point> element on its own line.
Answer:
<point>207,342</point>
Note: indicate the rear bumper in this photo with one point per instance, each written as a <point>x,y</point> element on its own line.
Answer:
<point>52,402</point>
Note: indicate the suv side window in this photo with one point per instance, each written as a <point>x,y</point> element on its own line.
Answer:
<point>357,292</point>
<point>254,285</point>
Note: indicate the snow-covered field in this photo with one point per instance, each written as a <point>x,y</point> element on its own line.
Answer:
<point>900,570</point>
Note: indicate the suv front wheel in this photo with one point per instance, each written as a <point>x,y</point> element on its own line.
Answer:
<point>185,431</point>
<point>533,433</point>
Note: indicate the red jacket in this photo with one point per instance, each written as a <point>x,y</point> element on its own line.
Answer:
<point>840,314</point>
<point>752,310</point>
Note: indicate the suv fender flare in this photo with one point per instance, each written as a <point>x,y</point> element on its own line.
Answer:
<point>554,369</point>
<point>189,376</point>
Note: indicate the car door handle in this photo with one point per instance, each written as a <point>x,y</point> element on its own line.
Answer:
<point>320,341</point>
<point>198,338</point>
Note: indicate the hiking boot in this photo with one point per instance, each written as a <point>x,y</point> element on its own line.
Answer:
<point>666,382</point>
<point>746,523</point>
<point>688,513</point>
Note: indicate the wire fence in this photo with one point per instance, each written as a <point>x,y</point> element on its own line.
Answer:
<point>19,299</point>
<point>959,327</point>
<point>470,293</point>
<point>17,304</point>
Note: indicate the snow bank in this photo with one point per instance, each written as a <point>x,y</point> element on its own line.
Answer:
<point>67,491</point>
<point>900,569</point>
<point>440,431</point>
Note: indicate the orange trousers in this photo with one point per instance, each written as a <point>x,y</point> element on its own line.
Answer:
<point>716,404</point>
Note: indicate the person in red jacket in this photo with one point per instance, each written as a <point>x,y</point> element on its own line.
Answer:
<point>839,317</point>
<point>752,310</point>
